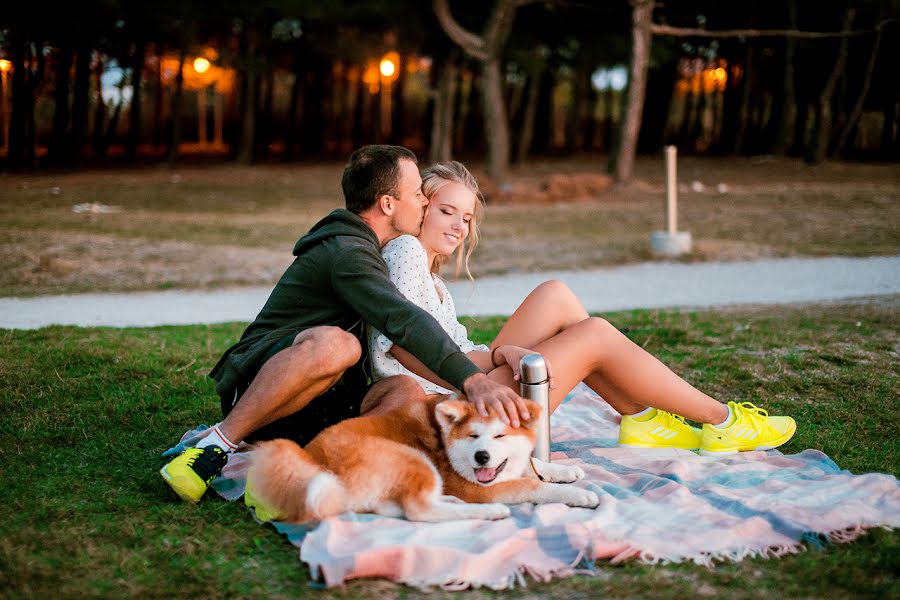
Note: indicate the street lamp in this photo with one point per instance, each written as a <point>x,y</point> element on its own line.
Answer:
<point>388,69</point>
<point>5,68</point>
<point>201,66</point>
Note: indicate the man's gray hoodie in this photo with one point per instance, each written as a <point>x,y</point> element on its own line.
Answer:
<point>339,278</point>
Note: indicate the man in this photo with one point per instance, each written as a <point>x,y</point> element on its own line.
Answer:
<point>299,367</point>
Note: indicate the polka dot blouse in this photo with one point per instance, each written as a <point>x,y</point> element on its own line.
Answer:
<point>408,268</point>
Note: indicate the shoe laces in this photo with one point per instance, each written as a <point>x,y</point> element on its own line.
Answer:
<point>208,463</point>
<point>671,419</point>
<point>757,416</point>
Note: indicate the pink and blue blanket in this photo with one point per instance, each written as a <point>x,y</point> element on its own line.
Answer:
<point>657,506</point>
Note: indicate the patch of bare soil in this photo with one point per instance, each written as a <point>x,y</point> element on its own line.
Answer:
<point>54,262</point>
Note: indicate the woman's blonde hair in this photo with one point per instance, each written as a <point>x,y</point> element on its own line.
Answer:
<point>434,178</point>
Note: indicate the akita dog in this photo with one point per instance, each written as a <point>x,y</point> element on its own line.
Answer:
<point>437,460</point>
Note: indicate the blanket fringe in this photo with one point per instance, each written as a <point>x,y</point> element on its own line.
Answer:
<point>813,539</point>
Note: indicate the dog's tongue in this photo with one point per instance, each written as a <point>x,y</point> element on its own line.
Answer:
<point>485,474</point>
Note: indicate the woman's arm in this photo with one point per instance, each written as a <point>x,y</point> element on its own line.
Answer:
<point>480,358</point>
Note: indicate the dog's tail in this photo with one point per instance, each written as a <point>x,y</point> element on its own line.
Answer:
<point>285,483</point>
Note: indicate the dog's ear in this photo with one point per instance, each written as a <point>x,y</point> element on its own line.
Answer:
<point>450,412</point>
<point>534,409</point>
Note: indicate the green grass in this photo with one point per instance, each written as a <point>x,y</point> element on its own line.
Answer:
<point>87,412</point>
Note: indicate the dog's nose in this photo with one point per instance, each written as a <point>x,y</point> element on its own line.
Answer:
<point>482,457</point>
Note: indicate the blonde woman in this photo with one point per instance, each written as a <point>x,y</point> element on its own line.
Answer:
<point>552,321</point>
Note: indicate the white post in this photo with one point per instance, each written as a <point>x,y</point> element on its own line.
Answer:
<point>671,189</point>
<point>671,242</point>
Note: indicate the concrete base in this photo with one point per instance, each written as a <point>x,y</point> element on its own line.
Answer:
<point>671,244</point>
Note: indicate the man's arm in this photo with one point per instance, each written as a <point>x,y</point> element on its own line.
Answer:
<point>359,277</point>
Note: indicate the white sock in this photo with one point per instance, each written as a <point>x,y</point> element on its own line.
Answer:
<point>643,412</point>
<point>727,420</point>
<point>217,438</point>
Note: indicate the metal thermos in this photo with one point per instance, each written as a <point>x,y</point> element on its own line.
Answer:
<point>534,385</point>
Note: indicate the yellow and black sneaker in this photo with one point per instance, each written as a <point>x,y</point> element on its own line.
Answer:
<point>191,472</point>
<point>751,429</point>
<point>659,429</point>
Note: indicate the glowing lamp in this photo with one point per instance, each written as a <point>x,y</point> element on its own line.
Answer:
<point>387,67</point>
<point>201,65</point>
<point>5,65</point>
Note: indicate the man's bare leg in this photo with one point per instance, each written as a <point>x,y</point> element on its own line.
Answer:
<point>390,393</point>
<point>292,378</point>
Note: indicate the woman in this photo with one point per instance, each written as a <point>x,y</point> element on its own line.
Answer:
<point>552,321</point>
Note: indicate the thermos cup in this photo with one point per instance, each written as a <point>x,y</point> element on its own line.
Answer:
<point>534,384</point>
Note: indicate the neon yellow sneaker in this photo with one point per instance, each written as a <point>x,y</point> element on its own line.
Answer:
<point>662,430</point>
<point>263,513</point>
<point>752,429</point>
<point>191,472</point>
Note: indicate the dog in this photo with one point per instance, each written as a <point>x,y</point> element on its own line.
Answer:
<point>435,460</point>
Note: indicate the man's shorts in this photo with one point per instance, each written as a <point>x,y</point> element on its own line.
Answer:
<point>341,401</point>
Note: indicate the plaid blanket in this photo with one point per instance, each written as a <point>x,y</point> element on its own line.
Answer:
<point>657,506</point>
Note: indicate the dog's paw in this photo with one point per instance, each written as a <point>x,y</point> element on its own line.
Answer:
<point>553,473</point>
<point>493,512</point>
<point>452,500</point>
<point>581,498</point>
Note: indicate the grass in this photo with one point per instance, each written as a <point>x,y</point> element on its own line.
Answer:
<point>87,412</point>
<point>226,225</point>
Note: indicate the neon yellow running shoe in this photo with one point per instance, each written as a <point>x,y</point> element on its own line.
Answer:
<point>662,430</point>
<point>263,513</point>
<point>751,429</point>
<point>191,472</point>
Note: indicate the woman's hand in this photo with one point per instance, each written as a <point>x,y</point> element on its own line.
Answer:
<point>512,355</point>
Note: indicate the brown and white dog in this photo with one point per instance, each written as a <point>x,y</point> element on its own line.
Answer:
<point>437,460</point>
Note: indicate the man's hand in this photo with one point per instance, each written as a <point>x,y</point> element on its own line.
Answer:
<point>483,392</point>
<point>512,355</point>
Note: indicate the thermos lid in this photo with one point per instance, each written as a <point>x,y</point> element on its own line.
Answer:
<point>533,369</point>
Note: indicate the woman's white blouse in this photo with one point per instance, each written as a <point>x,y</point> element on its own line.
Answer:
<point>408,268</point>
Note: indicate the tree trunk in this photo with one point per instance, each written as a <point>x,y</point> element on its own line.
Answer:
<point>290,130</point>
<point>740,136</point>
<point>495,124</point>
<point>844,136</point>
<point>535,75</point>
<point>441,146</point>
<point>99,110</point>
<point>247,142</point>
<point>264,131</point>
<point>542,123</point>
<point>473,125</point>
<point>577,108</point>
<point>80,95</point>
<point>623,161</point>
<point>398,103</point>
<point>822,130</point>
<point>889,111</point>
<point>134,113</point>
<point>159,102</point>
<point>17,127</point>
<point>488,48</point>
<point>175,138</point>
<point>786,109</point>
<point>57,148</point>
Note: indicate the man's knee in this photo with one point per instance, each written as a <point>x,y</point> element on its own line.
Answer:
<point>392,392</point>
<point>327,349</point>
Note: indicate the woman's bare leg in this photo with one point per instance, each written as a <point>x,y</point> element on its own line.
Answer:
<point>553,321</point>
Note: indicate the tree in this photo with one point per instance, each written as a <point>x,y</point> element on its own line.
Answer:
<point>487,48</point>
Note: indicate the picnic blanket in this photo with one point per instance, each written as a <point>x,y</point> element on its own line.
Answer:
<point>657,506</point>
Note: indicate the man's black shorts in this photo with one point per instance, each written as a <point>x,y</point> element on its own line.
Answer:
<point>342,401</point>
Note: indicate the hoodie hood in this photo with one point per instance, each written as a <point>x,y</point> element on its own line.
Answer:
<point>340,222</point>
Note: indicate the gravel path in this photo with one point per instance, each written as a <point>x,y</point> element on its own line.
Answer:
<point>647,285</point>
